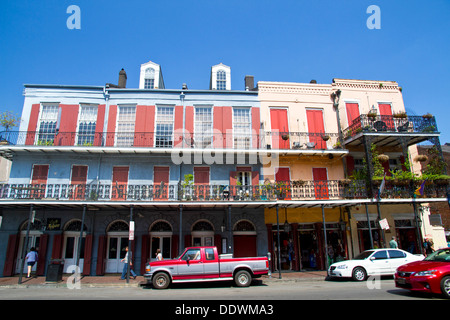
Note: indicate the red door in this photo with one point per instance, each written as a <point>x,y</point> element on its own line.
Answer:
<point>201,182</point>
<point>39,180</point>
<point>316,128</point>
<point>280,128</point>
<point>119,183</point>
<point>78,182</point>
<point>283,180</point>
<point>320,183</point>
<point>161,183</point>
<point>353,114</point>
<point>244,246</point>
<point>386,115</point>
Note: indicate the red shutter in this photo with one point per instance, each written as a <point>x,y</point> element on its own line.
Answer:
<point>87,255</point>
<point>279,126</point>
<point>98,139</point>
<point>101,255</point>
<point>255,127</point>
<point>316,128</point>
<point>57,246</point>
<point>386,115</point>
<point>119,183</point>
<point>175,240</point>
<point>218,243</point>
<point>320,183</point>
<point>32,124</point>
<point>67,126</point>
<point>39,179</point>
<point>350,165</point>
<point>283,175</point>
<point>11,255</point>
<point>145,251</point>
<point>187,240</point>
<point>40,267</point>
<point>78,182</point>
<point>352,113</point>
<point>161,176</point>
<point>111,130</point>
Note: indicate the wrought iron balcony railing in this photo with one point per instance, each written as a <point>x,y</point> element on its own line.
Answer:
<point>307,190</point>
<point>264,141</point>
<point>395,123</point>
<point>296,190</point>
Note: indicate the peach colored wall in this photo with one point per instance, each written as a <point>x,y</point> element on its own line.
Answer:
<point>297,98</point>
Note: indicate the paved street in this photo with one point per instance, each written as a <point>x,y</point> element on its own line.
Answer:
<point>260,290</point>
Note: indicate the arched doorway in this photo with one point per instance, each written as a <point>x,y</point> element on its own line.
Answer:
<point>161,238</point>
<point>244,239</point>
<point>71,242</point>
<point>34,240</point>
<point>202,233</point>
<point>117,233</point>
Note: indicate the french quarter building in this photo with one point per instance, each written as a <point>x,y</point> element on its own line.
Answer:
<point>279,168</point>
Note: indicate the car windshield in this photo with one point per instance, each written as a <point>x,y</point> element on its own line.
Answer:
<point>363,255</point>
<point>442,255</point>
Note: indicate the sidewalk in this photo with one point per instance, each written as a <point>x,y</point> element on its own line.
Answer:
<point>114,280</point>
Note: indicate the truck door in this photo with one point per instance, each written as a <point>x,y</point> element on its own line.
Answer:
<point>191,266</point>
<point>211,265</point>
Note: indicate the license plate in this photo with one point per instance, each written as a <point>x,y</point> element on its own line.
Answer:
<point>401,281</point>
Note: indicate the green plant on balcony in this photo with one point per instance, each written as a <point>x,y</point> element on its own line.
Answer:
<point>187,184</point>
<point>400,115</point>
<point>337,145</point>
<point>45,143</point>
<point>298,183</point>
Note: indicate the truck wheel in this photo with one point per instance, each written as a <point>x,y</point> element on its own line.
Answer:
<point>242,278</point>
<point>161,281</point>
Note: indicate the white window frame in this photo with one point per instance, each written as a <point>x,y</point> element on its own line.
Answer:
<point>125,138</point>
<point>159,120</point>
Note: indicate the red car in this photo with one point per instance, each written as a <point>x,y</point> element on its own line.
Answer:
<point>430,275</point>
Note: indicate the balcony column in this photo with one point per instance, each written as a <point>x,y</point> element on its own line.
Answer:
<point>230,232</point>
<point>180,238</point>
<point>278,245</point>
<point>325,237</point>
<point>79,243</point>
<point>366,142</point>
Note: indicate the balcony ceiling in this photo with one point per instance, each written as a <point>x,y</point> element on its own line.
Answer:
<point>389,139</point>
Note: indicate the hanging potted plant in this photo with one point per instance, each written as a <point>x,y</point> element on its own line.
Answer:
<point>427,116</point>
<point>383,157</point>
<point>326,138</point>
<point>285,136</point>
<point>400,115</point>
<point>421,158</point>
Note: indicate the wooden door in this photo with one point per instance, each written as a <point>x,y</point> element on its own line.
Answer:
<point>119,183</point>
<point>161,183</point>
<point>78,182</point>
<point>320,183</point>
<point>386,115</point>
<point>39,181</point>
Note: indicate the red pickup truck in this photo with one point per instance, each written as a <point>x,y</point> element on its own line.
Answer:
<point>198,264</point>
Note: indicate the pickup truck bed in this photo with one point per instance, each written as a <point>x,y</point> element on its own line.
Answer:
<point>198,264</point>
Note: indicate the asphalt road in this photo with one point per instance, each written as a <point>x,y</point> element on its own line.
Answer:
<point>383,289</point>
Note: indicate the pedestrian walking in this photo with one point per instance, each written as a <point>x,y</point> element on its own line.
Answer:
<point>125,265</point>
<point>31,259</point>
<point>393,244</point>
<point>159,256</point>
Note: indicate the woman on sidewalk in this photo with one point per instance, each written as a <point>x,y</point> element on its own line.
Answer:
<point>31,259</point>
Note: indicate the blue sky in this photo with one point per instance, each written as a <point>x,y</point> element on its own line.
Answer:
<point>284,40</point>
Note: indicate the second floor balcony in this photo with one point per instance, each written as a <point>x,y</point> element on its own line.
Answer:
<point>325,190</point>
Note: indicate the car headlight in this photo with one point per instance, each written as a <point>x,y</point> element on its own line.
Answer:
<point>342,266</point>
<point>425,273</point>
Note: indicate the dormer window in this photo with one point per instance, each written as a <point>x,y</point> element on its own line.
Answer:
<point>221,80</point>
<point>220,77</point>
<point>149,80</point>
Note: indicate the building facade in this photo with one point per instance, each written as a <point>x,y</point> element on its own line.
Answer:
<point>290,169</point>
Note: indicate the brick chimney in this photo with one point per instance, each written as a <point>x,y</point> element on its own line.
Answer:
<point>122,79</point>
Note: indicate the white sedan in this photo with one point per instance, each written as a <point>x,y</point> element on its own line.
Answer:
<point>375,262</point>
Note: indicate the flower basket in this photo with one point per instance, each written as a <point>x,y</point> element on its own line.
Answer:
<point>383,157</point>
<point>325,138</point>
<point>400,115</point>
<point>285,137</point>
<point>421,158</point>
<point>427,116</point>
